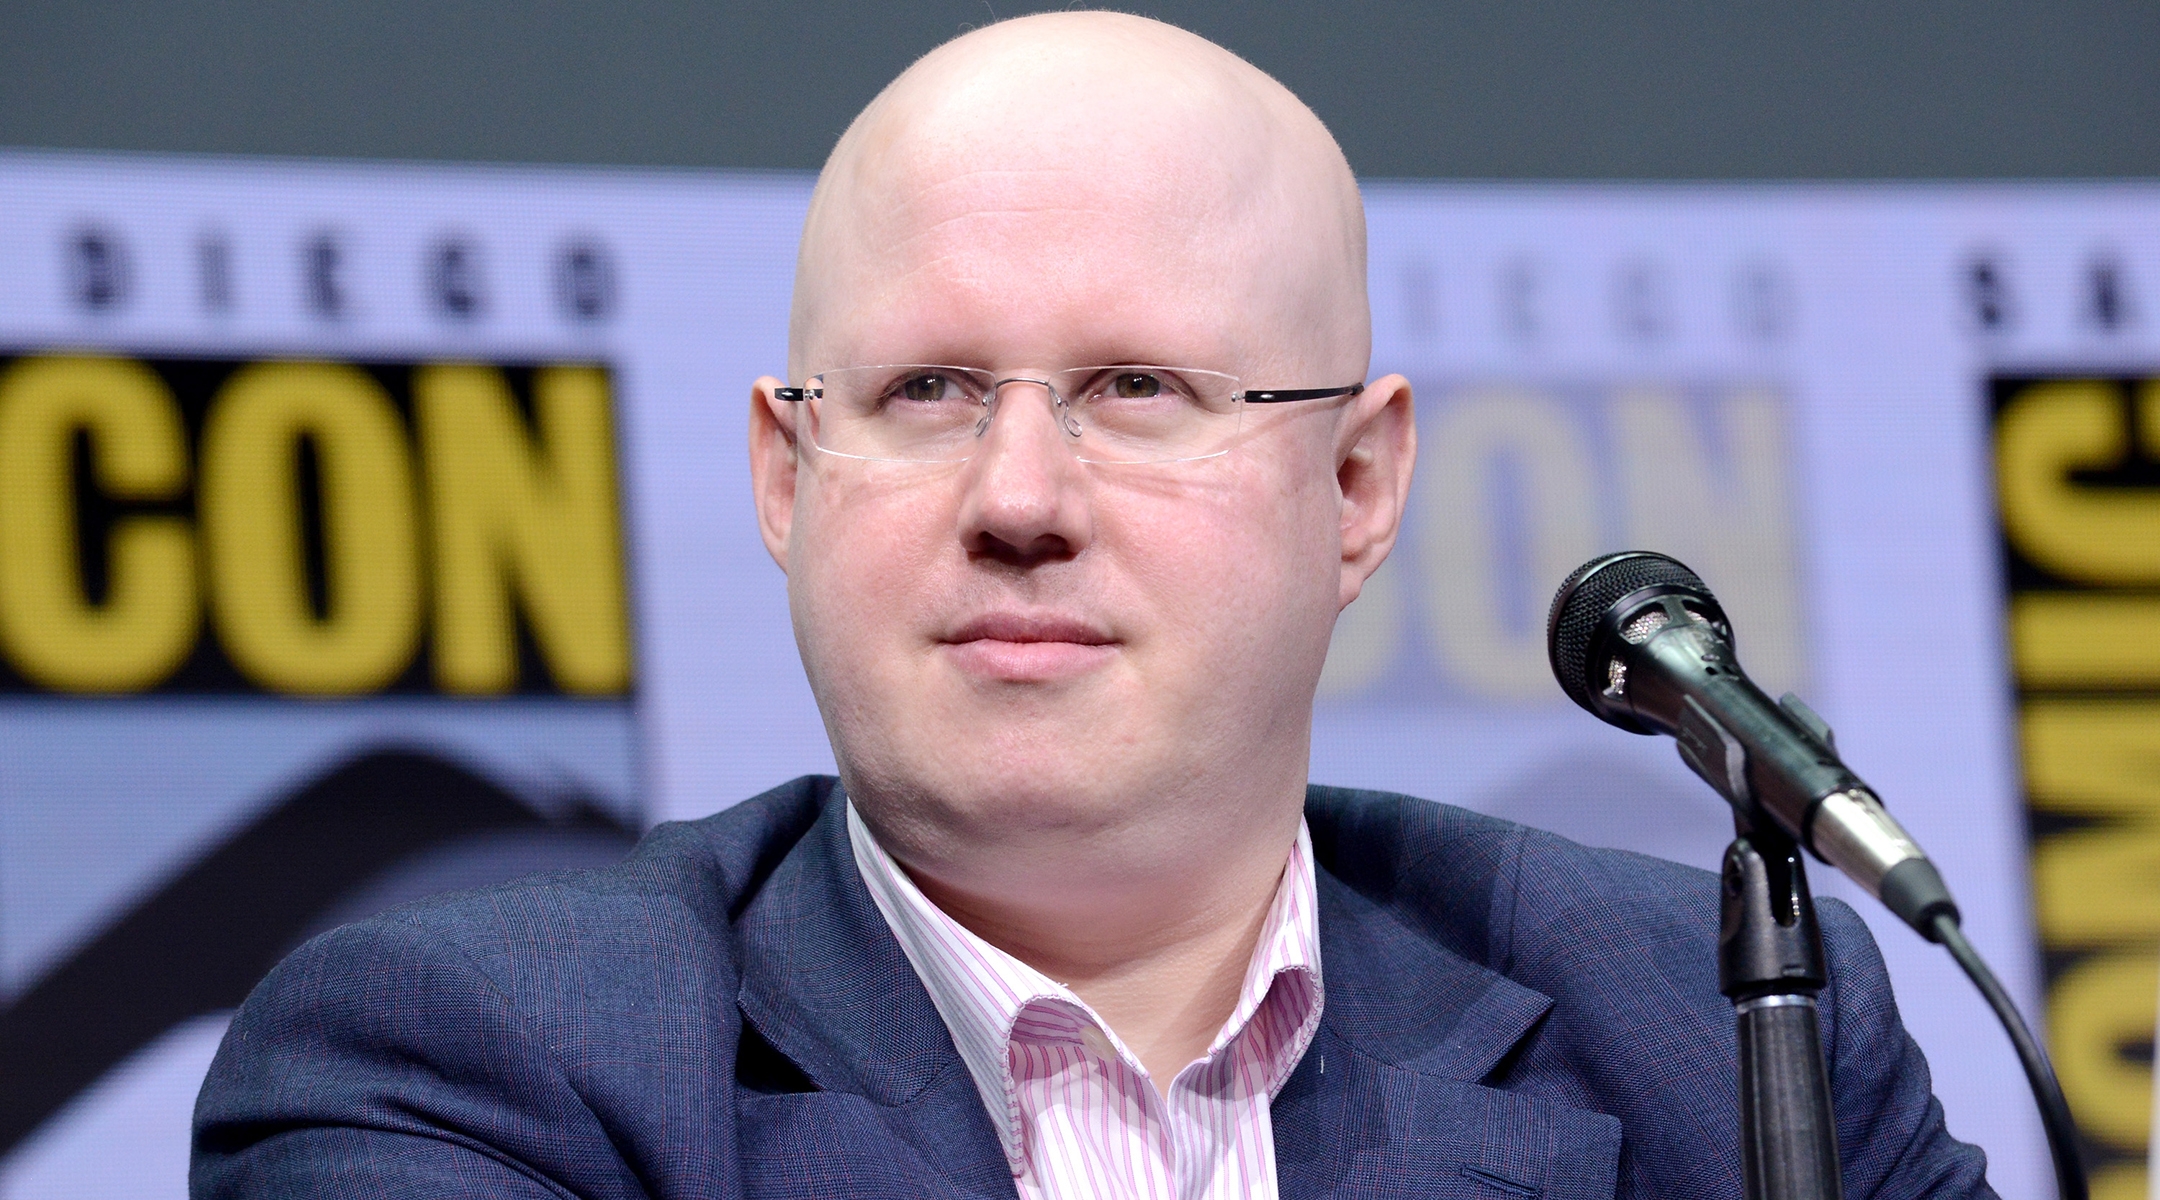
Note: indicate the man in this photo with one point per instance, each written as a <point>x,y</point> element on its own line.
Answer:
<point>1078,467</point>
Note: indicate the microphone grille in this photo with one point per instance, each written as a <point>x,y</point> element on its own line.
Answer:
<point>1584,598</point>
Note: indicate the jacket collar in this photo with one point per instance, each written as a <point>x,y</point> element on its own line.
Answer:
<point>1392,1098</point>
<point>825,982</point>
<point>1402,999</point>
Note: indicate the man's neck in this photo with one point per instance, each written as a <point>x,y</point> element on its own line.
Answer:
<point>1162,966</point>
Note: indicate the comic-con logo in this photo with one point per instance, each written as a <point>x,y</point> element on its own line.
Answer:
<point>2077,464</point>
<point>308,528</point>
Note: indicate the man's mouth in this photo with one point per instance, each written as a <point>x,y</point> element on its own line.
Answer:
<point>1029,647</point>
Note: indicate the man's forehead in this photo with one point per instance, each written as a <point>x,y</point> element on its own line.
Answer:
<point>1111,210</point>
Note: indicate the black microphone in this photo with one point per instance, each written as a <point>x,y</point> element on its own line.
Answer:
<point>1639,641</point>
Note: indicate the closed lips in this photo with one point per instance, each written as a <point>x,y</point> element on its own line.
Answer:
<point>1008,627</point>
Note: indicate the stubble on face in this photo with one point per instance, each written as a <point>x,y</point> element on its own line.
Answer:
<point>1045,193</point>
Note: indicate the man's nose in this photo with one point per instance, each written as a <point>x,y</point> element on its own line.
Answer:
<point>1027,494</point>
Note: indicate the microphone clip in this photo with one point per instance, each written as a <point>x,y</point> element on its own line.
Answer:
<point>1768,938</point>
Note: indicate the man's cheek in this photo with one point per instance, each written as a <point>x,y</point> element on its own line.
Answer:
<point>877,589</point>
<point>1226,562</point>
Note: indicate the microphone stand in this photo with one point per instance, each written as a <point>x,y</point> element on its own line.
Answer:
<point>1770,965</point>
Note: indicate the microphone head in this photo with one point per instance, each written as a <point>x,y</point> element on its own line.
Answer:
<point>1589,614</point>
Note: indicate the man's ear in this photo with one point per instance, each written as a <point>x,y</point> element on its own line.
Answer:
<point>1375,452</point>
<point>774,464</point>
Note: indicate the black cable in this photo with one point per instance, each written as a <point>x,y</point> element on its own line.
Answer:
<point>2062,1132</point>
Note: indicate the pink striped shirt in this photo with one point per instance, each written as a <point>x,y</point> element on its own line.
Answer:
<point>1077,1114</point>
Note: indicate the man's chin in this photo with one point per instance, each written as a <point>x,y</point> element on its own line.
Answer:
<point>1030,806</point>
<point>998,791</point>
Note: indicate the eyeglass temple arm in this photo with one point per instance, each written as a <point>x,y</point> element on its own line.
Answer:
<point>1284,396</point>
<point>798,395</point>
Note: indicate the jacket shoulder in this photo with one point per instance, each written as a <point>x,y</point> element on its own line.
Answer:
<point>1625,946</point>
<point>1504,895</point>
<point>681,876</point>
<point>577,1026</point>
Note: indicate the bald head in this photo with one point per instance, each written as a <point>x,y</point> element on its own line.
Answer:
<point>1094,155</point>
<point>1061,687</point>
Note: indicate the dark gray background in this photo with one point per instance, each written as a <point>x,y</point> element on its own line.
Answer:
<point>1566,89</point>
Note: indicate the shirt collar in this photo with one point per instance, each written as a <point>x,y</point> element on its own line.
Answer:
<point>980,991</point>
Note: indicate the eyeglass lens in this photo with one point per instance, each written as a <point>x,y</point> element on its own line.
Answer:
<point>1121,413</point>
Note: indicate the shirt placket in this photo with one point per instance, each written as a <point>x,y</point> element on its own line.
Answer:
<point>1092,1110</point>
<point>1209,1097</point>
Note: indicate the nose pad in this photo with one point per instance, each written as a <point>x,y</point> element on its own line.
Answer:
<point>1060,411</point>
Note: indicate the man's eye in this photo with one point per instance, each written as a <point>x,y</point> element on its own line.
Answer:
<point>1136,386</point>
<point>926,389</point>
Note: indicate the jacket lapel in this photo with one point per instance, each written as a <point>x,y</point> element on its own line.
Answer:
<point>826,985</point>
<point>1389,1099</point>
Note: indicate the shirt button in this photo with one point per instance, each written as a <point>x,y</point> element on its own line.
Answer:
<point>1093,1039</point>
